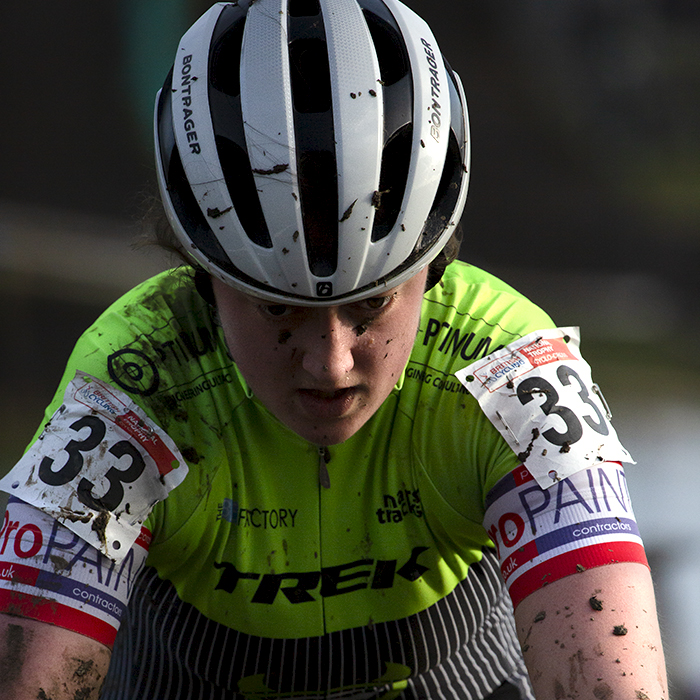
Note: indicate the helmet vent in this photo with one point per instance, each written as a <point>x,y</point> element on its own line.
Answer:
<point>396,159</point>
<point>304,8</point>
<point>225,56</point>
<point>310,76</point>
<point>314,136</point>
<point>318,187</point>
<point>187,210</point>
<point>241,186</point>
<point>391,50</point>
<point>446,196</point>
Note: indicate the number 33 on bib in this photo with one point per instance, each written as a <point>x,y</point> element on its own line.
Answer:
<point>539,395</point>
<point>99,466</point>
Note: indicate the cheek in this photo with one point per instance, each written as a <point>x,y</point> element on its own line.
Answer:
<point>265,357</point>
<point>391,349</point>
<point>410,325</point>
<point>246,343</point>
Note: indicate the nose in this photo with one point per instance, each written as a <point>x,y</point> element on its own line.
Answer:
<point>328,347</point>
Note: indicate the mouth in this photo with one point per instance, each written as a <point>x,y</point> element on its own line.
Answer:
<point>327,404</point>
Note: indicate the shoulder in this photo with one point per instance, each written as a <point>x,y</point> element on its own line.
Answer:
<point>167,300</point>
<point>160,345</point>
<point>469,297</point>
<point>467,317</point>
<point>157,343</point>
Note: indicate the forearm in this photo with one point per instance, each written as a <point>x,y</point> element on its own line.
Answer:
<point>38,660</point>
<point>594,635</point>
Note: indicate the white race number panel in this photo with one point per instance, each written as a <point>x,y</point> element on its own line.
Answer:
<point>539,394</point>
<point>99,466</point>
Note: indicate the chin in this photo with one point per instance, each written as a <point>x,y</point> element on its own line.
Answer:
<point>329,434</point>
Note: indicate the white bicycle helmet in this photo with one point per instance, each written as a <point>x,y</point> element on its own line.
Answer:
<point>312,151</point>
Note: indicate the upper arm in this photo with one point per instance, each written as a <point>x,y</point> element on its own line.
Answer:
<point>61,602</point>
<point>574,564</point>
<point>594,634</point>
<point>40,660</point>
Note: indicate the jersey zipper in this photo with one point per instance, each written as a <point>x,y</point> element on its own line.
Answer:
<point>324,456</point>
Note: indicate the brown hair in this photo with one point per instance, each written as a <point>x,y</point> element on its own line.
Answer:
<point>448,254</point>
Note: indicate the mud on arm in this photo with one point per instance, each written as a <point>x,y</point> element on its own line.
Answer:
<point>41,661</point>
<point>594,634</point>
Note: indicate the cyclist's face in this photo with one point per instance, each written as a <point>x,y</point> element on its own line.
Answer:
<point>322,371</point>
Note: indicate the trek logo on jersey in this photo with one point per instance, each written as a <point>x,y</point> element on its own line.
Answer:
<point>309,586</point>
<point>582,521</point>
<point>395,508</point>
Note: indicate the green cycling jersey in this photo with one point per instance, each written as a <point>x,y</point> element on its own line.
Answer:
<point>276,537</point>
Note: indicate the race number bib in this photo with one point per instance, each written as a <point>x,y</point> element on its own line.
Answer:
<point>539,395</point>
<point>99,466</point>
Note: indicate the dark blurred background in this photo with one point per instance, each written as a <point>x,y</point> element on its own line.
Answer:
<point>585,195</point>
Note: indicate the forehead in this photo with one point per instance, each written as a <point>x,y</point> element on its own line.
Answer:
<point>231,295</point>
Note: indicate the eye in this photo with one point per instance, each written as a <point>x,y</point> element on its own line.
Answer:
<point>275,310</point>
<point>377,303</point>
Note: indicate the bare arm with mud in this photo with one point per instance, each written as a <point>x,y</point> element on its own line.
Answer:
<point>594,635</point>
<point>41,661</point>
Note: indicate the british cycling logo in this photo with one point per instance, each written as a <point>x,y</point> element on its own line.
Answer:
<point>93,396</point>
